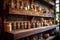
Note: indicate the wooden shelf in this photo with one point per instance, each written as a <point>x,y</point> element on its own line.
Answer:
<point>52,3</point>
<point>17,34</point>
<point>29,13</point>
<point>24,12</point>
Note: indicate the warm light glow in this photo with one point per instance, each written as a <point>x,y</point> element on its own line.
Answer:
<point>35,10</point>
<point>25,8</point>
<point>51,22</point>
<point>40,8</point>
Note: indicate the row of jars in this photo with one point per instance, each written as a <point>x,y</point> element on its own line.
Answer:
<point>19,4</point>
<point>25,25</point>
<point>33,37</point>
<point>39,36</point>
<point>25,5</point>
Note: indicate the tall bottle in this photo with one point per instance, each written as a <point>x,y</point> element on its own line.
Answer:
<point>16,25</point>
<point>22,5</point>
<point>25,25</point>
<point>42,23</point>
<point>19,25</point>
<point>29,25</point>
<point>12,4</point>
<point>18,5</point>
<point>10,27</point>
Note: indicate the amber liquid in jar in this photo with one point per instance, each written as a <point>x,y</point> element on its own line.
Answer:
<point>29,25</point>
<point>8,27</point>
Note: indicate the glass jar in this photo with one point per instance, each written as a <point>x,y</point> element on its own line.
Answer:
<point>8,27</point>
<point>12,4</point>
<point>13,26</point>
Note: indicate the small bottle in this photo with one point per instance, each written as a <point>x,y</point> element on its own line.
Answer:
<point>22,25</point>
<point>19,25</point>
<point>42,23</point>
<point>12,4</point>
<point>22,4</point>
<point>35,37</point>
<point>18,5</point>
<point>51,23</point>
<point>16,25</point>
<point>33,25</point>
<point>13,26</point>
<point>25,25</point>
<point>29,25</point>
<point>38,23</point>
<point>8,27</point>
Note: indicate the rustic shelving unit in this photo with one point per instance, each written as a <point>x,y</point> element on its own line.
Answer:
<point>17,34</point>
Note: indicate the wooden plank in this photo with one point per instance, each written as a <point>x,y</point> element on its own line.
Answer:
<point>27,32</point>
<point>30,13</point>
